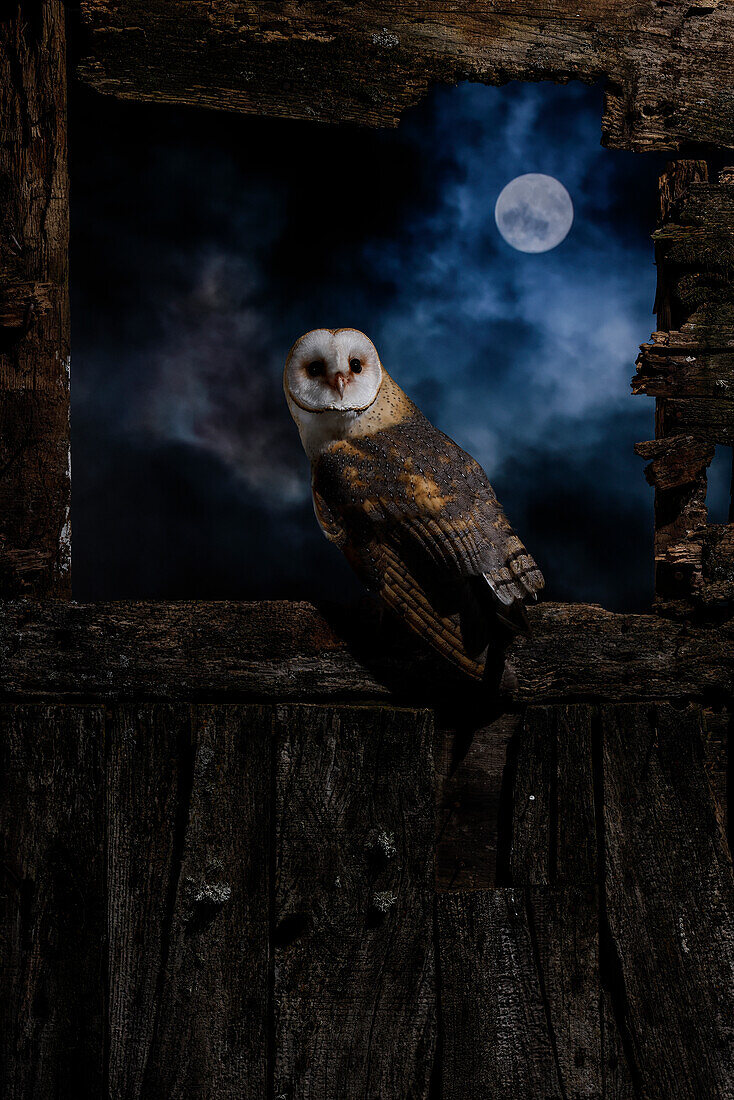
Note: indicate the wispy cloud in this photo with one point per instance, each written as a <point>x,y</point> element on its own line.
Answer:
<point>524,359</point>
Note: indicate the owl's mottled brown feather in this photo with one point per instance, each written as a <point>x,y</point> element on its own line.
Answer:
<point>419,521</point>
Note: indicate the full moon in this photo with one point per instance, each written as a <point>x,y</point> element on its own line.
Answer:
<point>534,212</point>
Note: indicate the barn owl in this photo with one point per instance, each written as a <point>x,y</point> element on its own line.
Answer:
<point>415,515</point>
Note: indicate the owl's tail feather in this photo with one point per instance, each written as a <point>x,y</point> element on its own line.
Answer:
<point>402,593</point>
<point>517,578</point>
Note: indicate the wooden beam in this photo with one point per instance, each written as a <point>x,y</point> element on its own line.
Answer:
<point>665,64</point>
<point>289,651</point>
<point>684,372</point>
<point>34,303</point>
<point>581,651</point>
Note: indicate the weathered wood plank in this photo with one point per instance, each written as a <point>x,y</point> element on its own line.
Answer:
<point>188,800</point>
<point>705,247</point>
<point>565,925</point>
<point>473,798</point>
<point>148,787</point>
<point>212,1029</point>
<point>554,809</point>
<point>34,316</point>
<point>707,419</point>
<point>705,203</point>
<point>519,1011</point>
<point>676,461</point>
<point>289,651</point>
<point>666,64</point>
<point>669,904</point>
<point>354,975</point>
<point>617,1083</point>
<point>51,943</point>
<point>579,652</point>
<point>689,372</point>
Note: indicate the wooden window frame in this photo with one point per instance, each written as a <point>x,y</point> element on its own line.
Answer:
<point>662,69</point>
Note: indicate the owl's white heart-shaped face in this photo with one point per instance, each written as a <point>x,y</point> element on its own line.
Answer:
<point>334,370</point>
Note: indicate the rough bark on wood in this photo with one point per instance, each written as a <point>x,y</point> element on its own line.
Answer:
<point>188,799</point>
<point>675,461</point>
<point>669,901</point>
<point>667,66</point>
<point>675,182</point>
<point>665,371</point>
<point>354,976</point>
<point>34,307</point>
<point>519,994</point>
<point>711,421</point>
<point>289,651</point>
<point>52,937</point>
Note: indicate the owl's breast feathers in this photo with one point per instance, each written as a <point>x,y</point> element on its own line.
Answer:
<point>420,523</point>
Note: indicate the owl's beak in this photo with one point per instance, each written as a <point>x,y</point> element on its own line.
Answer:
<point>339,383</point>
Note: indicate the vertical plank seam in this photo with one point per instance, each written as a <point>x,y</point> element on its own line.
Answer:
<point>184,794</point>
<point>535,948</point>
<point>506,807</point>
<point>611,972</point>
<point>435,1081</point>
<point>276,718</point>
<point>106,977</point>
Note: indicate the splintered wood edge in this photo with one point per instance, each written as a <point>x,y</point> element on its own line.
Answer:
<point>664,67</point>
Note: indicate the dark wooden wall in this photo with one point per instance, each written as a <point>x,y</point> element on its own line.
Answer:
<point>239,900</point>
<point>252,851</point>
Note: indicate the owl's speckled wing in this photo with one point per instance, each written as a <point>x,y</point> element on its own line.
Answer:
<point>419,521</point>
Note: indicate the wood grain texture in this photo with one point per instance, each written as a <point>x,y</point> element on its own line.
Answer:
<point>667,66</point>
<point>34,314</point>
<point>684,372</point>
<point>147,782</point>
<point>354,973</point>
<point>519,994</point>
<point>289,651</point>
<point>676,461</point>
<point>51,941</point>
<point>715,725</point>
<point>580,651</point>
<point>554,838</point>
<point>617,1083</point>
<point>669,902</point>
<point>188,903</point>
<point>705,418</point>
<point>472,796</point>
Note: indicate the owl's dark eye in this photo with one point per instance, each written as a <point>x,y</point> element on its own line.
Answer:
<point>355,366</point>
<point>316,368</point>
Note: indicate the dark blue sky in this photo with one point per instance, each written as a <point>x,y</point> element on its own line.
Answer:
<point>203,245</point>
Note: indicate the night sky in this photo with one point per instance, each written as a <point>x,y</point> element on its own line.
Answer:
<point>203,244</point>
